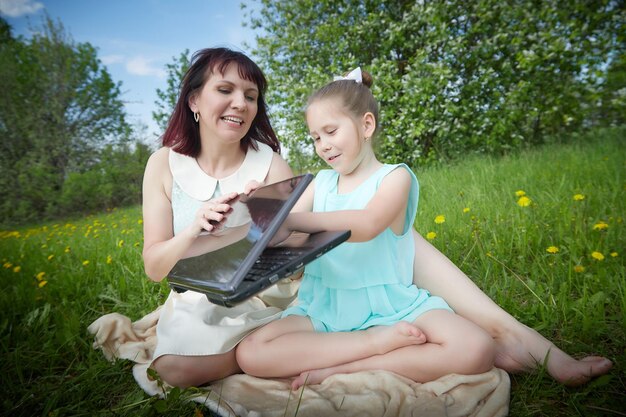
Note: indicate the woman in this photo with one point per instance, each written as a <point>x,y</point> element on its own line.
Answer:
<point>219,141</point>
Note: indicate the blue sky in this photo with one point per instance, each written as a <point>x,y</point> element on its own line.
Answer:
<point>136,38</point>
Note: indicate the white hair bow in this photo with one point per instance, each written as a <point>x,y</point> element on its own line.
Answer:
<point>354,75</point>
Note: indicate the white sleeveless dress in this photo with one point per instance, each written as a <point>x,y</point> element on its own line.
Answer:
<point>189,324</point>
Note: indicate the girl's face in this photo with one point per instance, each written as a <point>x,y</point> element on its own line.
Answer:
<point>338,138</point>
<point>227,105</point>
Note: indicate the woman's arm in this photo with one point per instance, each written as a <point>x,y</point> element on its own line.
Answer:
<point>279,170</point>
<point>161,248</point>
<point>386,209</point>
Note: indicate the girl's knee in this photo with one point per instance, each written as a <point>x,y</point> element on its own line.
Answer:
<point>246,355</point>
<point>480,351</point>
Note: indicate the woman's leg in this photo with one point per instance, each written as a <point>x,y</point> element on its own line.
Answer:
<point>454,345</point>
<point>518,347</point>
<point>290,345</point>
<point>189,371</point>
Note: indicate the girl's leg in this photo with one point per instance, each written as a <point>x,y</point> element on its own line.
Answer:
<point>188,371</point>
<point>518,347</point>
<point>454,345</point>
<point>290,345</point>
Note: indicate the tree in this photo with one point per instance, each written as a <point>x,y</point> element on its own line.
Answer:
<point>167,98</point>
<point>451,76</point>
<point>58,108</point>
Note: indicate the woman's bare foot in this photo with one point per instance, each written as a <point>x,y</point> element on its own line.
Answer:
<point>528,350</point>
<point>400,334</point>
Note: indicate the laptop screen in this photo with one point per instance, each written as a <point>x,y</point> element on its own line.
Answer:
<point>251,217</point>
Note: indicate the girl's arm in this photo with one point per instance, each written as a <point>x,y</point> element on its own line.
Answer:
<point>386,209</point>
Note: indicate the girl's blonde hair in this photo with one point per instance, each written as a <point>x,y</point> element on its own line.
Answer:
<point>356,98</point>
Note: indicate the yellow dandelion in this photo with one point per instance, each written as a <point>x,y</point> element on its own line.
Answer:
<point>50,257</point>
<point>552,249</point>
<point>140,221</point>
<point>7,265</point>
<point>109,259</point>
<point>42,283</point>
<point>440,219</point>
<point>614,254</point>
<point>17,269</point>
<point>597,255</point>
<point>120,243</point>
<point>85,262</point>
<point>431,235</point>
<point>67,249</point>
<point>520,193</point>
<point>579,269</point>
<point>40,276</point>
<point>524,201</point>
<point>466,209</point>
<point>600,226</point>
<point>579,197</point>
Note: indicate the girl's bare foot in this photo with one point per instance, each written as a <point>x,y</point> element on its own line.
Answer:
<point>400,334</point>
<point>384,338</point>
<point>528,349</point>
<point>312,377</point>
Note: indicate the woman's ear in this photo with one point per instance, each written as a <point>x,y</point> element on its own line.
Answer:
<point>192,103</point>
<point>369,124</point>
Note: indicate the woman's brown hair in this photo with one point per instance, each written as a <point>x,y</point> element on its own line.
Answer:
<point>183,134</point>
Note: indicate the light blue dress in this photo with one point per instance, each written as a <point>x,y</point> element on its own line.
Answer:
<point>363,284</point>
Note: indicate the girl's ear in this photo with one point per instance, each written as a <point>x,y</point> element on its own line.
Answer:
<point>369,124</point>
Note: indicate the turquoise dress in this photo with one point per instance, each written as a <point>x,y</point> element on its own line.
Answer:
<point>363,284</point>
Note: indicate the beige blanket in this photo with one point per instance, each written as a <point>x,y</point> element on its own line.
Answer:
<point>363,394</point>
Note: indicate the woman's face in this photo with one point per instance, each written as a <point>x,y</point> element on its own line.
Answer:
<point>227,105</point>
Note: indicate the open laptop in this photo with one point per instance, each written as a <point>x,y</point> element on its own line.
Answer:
<point>246,265</point>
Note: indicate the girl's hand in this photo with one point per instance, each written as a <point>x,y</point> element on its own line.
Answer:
<point>212,215</point>
<point>283,233</point>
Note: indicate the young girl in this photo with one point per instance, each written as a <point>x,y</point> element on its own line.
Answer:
<point>357,306</point>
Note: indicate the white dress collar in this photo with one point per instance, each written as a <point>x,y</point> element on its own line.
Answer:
<point>201,186</point>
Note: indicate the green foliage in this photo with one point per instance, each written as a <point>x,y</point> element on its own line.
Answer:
<point>167,98</point>
<point>59,113</point>
<point>92,266</point>
<point>451,76</point>
<point>114,181</point>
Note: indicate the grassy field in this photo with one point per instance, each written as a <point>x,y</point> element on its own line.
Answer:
<point>541,232</point>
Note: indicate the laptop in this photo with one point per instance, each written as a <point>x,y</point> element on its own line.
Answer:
<point>247,265</point>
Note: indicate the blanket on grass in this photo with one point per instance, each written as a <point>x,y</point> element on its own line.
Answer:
<point>362,394</point>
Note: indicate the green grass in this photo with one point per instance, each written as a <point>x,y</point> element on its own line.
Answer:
<point>49,368</point>
<point>503,247</point>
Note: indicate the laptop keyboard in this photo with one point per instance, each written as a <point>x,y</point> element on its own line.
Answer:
<point>271,260</point>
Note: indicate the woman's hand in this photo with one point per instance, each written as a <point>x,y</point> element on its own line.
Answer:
<point>212,215</point>
<point>251,186</point>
